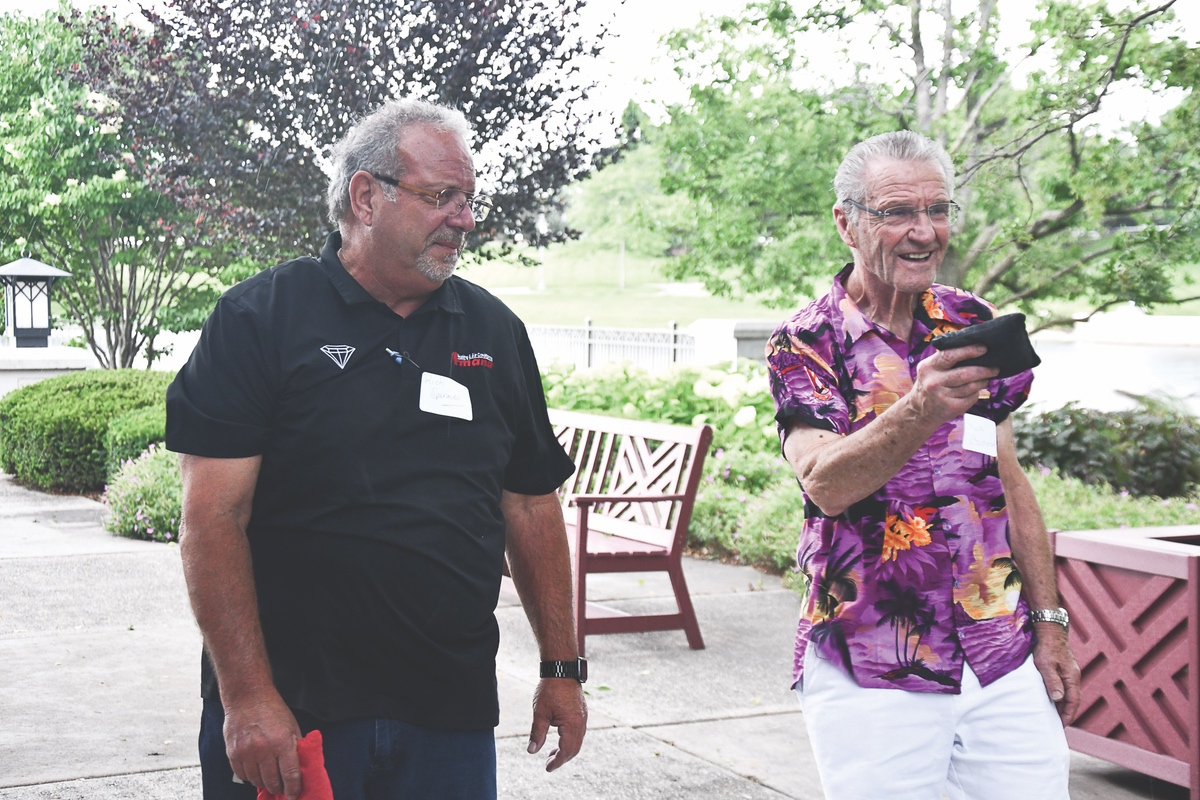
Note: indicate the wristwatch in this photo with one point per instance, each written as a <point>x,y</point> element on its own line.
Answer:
<point>576,669</point>
<point>1058,615</point>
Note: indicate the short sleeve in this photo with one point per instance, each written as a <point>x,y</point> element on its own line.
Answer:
<point>803,376</point>
<point>221,403</point>
<point>1008,394</point>
<point>539,465</point>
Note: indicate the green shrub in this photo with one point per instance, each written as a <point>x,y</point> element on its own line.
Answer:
<point>750,510</point>
<point>1150,450</point>
<point>736,402</point>
<point>145,497</point>
<point>52,432</point>
<point>130,434</point>
<point>743,462</point>
<point>733,479</point>
<point>771,528</point>
<point>1069,504</point>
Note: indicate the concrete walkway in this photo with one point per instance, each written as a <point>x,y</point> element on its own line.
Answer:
<point>99,664</point>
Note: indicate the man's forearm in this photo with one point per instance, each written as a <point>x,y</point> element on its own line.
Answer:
<point>838,471</point>
<point>1027,529</point>
<point>220,580</point>
<point>218,496</point>
<point>540,562</point>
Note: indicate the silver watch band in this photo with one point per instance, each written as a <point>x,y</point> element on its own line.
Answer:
<point>1058,615</point>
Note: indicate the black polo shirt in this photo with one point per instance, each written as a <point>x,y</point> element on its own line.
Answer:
<point>376,529</point>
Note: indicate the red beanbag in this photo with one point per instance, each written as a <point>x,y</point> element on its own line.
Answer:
<point>312,772</point>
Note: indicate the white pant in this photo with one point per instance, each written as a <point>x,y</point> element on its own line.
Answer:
<point>1002,742</point>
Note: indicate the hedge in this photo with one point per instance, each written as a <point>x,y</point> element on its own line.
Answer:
<point>131,433</point>
<point>1151,450</point>
<point>52,432</point>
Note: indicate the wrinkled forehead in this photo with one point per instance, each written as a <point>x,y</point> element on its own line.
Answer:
<point>920,179</point>
<point>436,154</point>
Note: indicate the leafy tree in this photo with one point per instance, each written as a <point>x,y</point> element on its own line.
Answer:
<point>69,199</point>
<point>235,106</point>
<point>1056,207</point>
<point>623,204</point>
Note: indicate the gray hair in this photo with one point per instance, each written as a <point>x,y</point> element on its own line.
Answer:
<point>372,145</point>
<point>850,182</point>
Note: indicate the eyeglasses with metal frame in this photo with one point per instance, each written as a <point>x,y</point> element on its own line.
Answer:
<point>451,199</point>
<point>940,214</point>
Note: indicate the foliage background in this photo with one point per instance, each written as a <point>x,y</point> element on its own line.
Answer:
<point>1057,207</point>
<point>52,432</point>
<point>749,508</point>
<point>145,498</point>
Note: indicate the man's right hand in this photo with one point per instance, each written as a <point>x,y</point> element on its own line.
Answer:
<point>261,736</point>
<point>944,390</point>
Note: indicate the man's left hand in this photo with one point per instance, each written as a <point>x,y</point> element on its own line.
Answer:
<point>1054,660</point>
<point>558,702</point>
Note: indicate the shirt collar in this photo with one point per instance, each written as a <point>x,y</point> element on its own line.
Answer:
<point>936,312</point>
<point>445,298</point>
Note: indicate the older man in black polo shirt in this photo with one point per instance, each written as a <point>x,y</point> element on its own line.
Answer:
<point>363,438</point>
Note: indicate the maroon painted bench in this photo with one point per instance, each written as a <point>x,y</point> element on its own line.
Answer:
<point>1134,600</point>
<point>627,508</point>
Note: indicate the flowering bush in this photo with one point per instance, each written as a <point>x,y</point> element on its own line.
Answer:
<point>144,499</point>
<point>749,508</point>
<point>736,402</point>
<point>744,469</point>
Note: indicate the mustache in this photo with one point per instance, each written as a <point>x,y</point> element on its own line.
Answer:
<point>456,239</point>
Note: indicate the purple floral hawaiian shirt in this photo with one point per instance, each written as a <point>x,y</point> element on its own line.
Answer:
<point>906,583</point>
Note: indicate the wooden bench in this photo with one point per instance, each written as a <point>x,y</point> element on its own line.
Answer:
<point>627,507</point>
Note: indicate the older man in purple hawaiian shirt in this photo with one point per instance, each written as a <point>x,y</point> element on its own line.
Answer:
<point>931,652</point>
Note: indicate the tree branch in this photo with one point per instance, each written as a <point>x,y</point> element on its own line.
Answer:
<point>1047,224</point>
<point>943,92</point>
<point>1109,77</point>
<point>921,70</point>
<point>1063,322</point>
<point>1057,276</point>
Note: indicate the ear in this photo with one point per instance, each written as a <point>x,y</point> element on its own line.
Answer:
<point>364,197</point>
<point>844,227</point>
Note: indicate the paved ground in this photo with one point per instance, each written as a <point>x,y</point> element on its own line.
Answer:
<point>99,662</point>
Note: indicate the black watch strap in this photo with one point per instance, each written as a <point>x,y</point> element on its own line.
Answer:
<point>576,669</point>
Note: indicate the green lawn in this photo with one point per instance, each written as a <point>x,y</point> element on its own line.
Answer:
<point>1187,285</point>
<point>578,282</point>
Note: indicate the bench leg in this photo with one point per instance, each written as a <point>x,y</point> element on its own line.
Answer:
<point>684,600</point>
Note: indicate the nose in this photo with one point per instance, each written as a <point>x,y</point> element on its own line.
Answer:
<point>922,228</point>
<point>463,219</point>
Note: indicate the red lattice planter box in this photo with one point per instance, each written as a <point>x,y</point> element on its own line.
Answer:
<point>1134,600</point>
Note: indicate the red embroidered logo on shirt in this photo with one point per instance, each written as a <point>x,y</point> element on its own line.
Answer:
<point>472,360</point>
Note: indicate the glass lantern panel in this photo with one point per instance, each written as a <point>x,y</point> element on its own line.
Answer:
<point>31,303</point>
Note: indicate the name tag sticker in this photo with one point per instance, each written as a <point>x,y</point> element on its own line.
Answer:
<point>979,435</point>
<point>441,395</point>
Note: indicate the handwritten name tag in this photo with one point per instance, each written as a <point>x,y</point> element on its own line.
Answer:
<point>979,435</point>
<point>441,395</point>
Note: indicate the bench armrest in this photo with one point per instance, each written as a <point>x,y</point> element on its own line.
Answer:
<point>593,499</point>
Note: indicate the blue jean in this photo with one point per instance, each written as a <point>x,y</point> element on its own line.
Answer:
<point>370,759</point>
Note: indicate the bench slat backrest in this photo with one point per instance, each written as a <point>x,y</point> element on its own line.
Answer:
<point>626,457</point>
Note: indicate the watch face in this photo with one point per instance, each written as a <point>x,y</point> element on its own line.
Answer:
<point>582,667</point>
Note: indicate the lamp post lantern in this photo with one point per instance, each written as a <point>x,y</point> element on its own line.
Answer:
<point>27,300</point>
